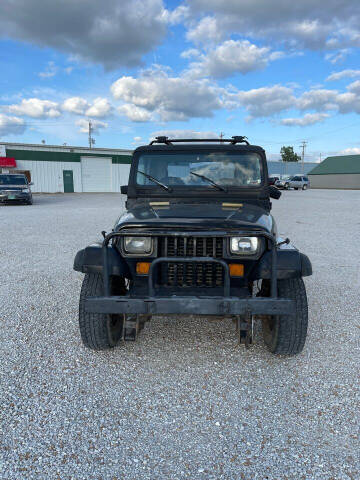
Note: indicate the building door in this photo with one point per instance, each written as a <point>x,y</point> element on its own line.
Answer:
<point>96,174</point>
<point>68,181</point>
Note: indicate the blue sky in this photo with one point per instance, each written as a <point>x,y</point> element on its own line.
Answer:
<point>275,72</point>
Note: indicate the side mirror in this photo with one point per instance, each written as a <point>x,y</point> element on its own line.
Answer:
<point>274,192</point>
<point>124,189</point>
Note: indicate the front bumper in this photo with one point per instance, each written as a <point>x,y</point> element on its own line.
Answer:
<point>15,197</point>
<point>197,305</point>
<point>201,304</point>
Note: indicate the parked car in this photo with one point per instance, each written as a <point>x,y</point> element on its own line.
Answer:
<point>299,181</point>
<point>197,238</point>
<point>15,187</point>
<point>273,180</point>
<point>296,182</point>
<point>283,183</point>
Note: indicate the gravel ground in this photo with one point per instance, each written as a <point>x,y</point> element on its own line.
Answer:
<point>184,401</point>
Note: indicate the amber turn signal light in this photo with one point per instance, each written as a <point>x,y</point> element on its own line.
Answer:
<point>142,268</point>
<point>236,270</point>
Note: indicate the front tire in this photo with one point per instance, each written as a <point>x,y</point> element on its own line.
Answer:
<point>286,334</point>
<point>304,187</point>
<point>99,331</point>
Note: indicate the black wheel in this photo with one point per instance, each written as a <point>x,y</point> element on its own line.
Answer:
<point>304,187</point>
<point>99,331</point>
<point>286,334</point>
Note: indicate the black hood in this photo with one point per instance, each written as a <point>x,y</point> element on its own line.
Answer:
<point>200,215</point>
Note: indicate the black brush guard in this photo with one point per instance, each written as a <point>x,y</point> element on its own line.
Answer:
<point>197,304</point>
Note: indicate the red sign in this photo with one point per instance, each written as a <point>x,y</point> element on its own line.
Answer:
<point>7,162</point>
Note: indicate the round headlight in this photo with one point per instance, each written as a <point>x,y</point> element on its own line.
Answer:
<point>244,245</point>
<point>138,245</point>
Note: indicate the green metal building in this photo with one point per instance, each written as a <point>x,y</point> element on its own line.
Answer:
<point>54,168</point>
<point>338,172</point>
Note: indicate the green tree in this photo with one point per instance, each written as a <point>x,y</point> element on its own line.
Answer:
<point>288,155</point>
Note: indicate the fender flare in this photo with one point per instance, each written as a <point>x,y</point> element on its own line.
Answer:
<point>290,264</point>
<point>90,260</point>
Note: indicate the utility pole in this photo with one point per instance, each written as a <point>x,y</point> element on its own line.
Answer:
<point>303,146</point>
<point>320,157</point>
<point>221,136</point>
<point>91,139</point>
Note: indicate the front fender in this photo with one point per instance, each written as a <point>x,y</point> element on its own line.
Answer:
<point>290,264</point>
<point>90,260</point>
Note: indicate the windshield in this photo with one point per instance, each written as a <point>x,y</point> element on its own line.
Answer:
<point>12,180</point>
<point>180,168</point>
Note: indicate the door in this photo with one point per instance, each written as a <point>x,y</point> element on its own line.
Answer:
<point>296,182</point>
<point>68,181</point>
<point>96,174</point>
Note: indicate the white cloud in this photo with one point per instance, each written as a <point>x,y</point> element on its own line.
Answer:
<point>351,151</point>
<point>178,15</point>
<point>354,87</point>
<point>191,53</point>
<point>207,30</point>
<point>100,108</point>
<point>308,119</point>
<point>232,57</point>
<point>343,74</point>
<point>76,105</point>
<point>136,140</point>
<point>318,99</point>
<point>36,108</point>
<point>135,113</point>
<point>111,33</point>
<point>168,98</point>
<point>323,100</point>
<point>337,56</point>
<point>50,70</point>
<point>265,101</point>
<point>308,24</point>
<point>97,125</point>
<point>11,125</point>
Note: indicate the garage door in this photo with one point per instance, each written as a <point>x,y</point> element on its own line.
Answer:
<point>96,174</point>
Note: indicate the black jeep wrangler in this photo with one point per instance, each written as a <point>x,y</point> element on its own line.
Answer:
<point>197,237</point>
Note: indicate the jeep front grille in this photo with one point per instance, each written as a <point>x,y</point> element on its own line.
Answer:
<point>191,274</point>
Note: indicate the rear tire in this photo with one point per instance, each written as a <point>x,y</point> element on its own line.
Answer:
<point>99,331</point>
<point>286,334</point>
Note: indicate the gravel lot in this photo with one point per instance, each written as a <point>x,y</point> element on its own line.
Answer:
<point>184,401</point>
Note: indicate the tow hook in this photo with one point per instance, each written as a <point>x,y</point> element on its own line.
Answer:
<point>245,329</point>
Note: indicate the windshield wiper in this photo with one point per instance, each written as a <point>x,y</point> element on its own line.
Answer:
<point>165,187</point>
<point>216,185</point>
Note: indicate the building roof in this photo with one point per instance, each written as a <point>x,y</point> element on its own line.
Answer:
<point>63,148</point>
<point>338,165</point>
